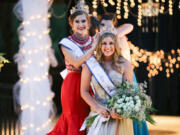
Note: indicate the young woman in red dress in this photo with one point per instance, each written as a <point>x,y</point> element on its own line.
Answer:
<point>74,108</point>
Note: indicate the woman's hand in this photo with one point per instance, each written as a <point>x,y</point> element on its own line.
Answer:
<point>124,29</point>
<point>104,112</point>
<point>95,40</point>
<point>115,115</point>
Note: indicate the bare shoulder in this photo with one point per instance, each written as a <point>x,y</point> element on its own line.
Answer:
<point>126,63</point>
<point>123,60</point>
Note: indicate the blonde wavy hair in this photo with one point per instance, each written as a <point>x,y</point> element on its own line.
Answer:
<point>117,52</point>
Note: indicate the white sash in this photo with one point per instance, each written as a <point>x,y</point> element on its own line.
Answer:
<point>97,71</point>
<point>96,125</point>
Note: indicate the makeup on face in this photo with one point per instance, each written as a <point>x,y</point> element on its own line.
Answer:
<point>80,25</point>
<point>108,47</point>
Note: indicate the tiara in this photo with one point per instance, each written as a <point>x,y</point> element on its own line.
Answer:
<point>80,6</point>
<point>108,29</point>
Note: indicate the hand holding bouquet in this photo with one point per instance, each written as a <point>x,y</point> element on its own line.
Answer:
<point>132,102</point>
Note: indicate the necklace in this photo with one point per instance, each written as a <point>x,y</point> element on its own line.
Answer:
<point>80,40</point>
<point>85,45</point>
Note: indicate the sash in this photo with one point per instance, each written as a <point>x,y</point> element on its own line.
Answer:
<point>96,125</point>
<point>93,65</point>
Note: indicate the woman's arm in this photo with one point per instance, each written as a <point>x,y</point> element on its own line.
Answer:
<point>124,29</point>
<point>125,50</point>
<point>85,85</point>
<point>76,62</point>
<point>128,71</point>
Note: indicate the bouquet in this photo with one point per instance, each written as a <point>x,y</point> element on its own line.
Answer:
<point>132,102</point>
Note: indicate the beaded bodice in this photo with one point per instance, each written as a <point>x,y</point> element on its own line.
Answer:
<point>85,45</point>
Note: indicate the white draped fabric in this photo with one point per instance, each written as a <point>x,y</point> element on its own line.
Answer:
<point>32,92</point>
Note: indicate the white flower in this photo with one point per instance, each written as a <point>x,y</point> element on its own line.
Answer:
<point>119,101</point>
<point>132,105</point>
<point>141,87</point>
<point>118,110</point>
<point>131,102</point>
<point>136,97</point>
<point>136,108</point>
<point>139,101</point>
<point>127,99</point>
<point>121,105</point>
<point>123,96</point>
<point>116,105</point>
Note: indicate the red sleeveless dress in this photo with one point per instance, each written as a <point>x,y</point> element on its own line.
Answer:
<point>74,108</point>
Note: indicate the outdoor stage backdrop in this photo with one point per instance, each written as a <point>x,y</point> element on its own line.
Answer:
<point>165,92</point>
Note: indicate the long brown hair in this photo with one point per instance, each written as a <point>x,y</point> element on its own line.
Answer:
<point>116,54</point>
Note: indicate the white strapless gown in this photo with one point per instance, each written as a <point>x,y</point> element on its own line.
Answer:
<point>108,126</point>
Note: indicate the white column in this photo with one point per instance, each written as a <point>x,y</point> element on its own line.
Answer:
<point>33,58</point>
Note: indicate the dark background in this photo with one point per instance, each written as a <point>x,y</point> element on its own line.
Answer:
<point>165,92</point>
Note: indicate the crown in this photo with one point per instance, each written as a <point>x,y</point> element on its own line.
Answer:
<point>108,29</point>
<point>80,6</point>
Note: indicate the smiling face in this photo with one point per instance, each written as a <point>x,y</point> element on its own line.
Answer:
<point>108,47</point>
<point>80,25</point>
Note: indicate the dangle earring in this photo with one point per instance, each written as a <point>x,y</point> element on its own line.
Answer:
<point>73,30</point>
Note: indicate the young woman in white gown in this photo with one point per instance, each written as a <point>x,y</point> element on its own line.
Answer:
<point>108,54</point>
<point>122,30</point>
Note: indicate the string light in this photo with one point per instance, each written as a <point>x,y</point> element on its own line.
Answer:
<point>111,2</point>
<point>94,5</point>
<point>162,6</point>
<point>118,9</point>
<point>132,3</point>
<point>36,17</point>
<point>34,51</point>
<point>38,129</point>
<point>33,38</point>
<point>39,103</point>
<point>34,79</point>
<point>24,128</point>
<point>31,125</point>
<point>170,7</point>
<point>146,10</point>
<point>155,60</point>
<point>44,125</point>
<point>177,65</point>
<point>126,10</point>
<point>104,3</point>
<point>139,21</point>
